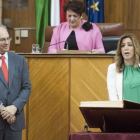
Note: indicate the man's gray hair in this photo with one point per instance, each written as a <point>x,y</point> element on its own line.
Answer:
<point>2,26</point>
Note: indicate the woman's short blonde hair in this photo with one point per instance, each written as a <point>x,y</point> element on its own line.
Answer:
<point>119,58</point>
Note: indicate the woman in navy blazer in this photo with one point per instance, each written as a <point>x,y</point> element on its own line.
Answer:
<point>127,54</point>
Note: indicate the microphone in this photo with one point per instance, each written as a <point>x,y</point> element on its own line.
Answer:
<point>86,127</point>
<point>67,47</point>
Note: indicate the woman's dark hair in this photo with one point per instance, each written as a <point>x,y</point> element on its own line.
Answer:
<point>76,6</point>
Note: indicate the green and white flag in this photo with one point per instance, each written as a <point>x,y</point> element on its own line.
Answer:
<point>43,10</point>
<point>55,12</point>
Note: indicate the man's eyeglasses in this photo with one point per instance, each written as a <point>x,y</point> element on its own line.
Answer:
<point>3,40</point>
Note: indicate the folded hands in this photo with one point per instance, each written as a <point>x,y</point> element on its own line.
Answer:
<point>8,113</point>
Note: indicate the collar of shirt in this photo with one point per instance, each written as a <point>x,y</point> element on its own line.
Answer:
<point>6,59</point>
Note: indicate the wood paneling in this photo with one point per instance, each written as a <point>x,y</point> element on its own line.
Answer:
<point>22,18</point>
<point>0,11</point>
<point>26,43</point>
<point>125,11</point>
<point>131,12</point>
<point>49,101</point>
<point>135,32</point>
<point>88,83</point>
<point>113,11</point>
<point>59,84</point>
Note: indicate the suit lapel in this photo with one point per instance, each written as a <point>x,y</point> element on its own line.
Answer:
<point>11,67</point>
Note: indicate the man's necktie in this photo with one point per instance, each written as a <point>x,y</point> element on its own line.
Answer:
<point>4,69</point>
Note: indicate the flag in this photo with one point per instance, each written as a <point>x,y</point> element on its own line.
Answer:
<point>95,10</point>
<point>55,12</point>
<point>42,19</point>
<point>62,13</point>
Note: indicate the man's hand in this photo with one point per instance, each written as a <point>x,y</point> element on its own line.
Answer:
<point>8,111</point>
<point>1,108</point>
<point>11,119</point>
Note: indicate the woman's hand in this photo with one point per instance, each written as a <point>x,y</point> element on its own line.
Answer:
<point>54,51</point>
<point>96,51</point>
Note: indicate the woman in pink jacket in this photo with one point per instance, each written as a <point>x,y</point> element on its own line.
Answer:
<point>80,34</point>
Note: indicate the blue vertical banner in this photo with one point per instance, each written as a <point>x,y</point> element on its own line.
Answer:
<point>95,10</point>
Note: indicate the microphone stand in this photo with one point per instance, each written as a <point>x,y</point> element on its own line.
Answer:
<point>86,127</point>
<point>55,44</point>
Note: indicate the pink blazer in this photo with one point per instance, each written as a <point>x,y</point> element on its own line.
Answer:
<point>86,40</point>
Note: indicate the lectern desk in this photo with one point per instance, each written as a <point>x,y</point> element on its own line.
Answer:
<point>114,119</point>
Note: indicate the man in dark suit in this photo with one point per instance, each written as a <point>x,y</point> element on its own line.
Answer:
<point>15,88</point>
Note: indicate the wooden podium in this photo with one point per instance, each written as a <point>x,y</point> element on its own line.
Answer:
<point>114,119</point>
<point>62,81</point>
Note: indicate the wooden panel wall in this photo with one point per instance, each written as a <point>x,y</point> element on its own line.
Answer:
<point>0,11</point>
<point>85,74</point>
<point>22,18</point>
<point>126,11</point>
<point>49,101</point>
<point>59,84</point>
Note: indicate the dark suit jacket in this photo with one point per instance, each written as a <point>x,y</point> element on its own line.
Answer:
<point>18,91</point>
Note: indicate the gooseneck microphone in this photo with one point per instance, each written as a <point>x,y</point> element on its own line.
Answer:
<point>67,47</point>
